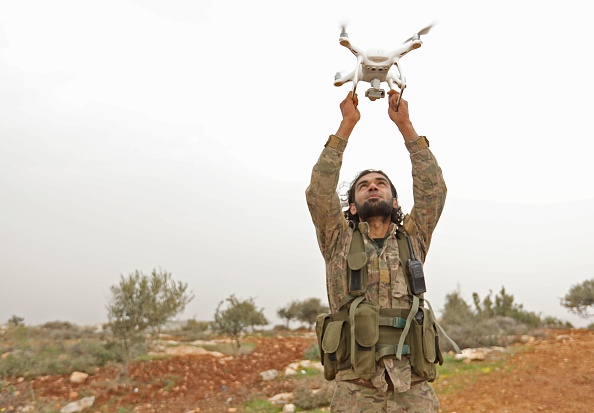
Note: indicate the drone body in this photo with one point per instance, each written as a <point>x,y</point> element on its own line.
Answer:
<point>374,65</point>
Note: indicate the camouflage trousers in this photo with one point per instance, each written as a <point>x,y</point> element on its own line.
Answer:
<point>352,398</point>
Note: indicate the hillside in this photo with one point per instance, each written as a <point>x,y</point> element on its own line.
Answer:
<point>554,374</point>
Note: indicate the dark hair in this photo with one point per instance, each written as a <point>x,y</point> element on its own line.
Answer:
<point>397,215</point>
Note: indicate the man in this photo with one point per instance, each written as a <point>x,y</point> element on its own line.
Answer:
<point>373,211</point>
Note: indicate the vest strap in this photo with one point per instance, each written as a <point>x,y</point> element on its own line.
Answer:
<point>397,322</point>
<point>411,315</point>
<point>442,331</point>
<point>388,350</point>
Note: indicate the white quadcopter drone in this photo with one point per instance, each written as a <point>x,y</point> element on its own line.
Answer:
<point>374,65</point>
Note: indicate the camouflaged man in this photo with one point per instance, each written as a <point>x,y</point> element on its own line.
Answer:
<point>378,342</point>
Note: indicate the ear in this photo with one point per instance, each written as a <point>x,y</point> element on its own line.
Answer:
<point>353,209</point>
<point>395,203</point>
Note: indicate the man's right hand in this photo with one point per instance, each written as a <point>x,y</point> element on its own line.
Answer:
<point>350,116</point>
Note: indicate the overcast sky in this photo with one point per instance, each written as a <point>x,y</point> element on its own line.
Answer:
<point>181,135</point>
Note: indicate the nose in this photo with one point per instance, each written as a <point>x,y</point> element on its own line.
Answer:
<point>373,187</point>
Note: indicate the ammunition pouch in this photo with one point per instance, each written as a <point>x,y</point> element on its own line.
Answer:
<point>358,337</point>
<point>424,341</point>
<point>364,324</point>
<point>333,336</point>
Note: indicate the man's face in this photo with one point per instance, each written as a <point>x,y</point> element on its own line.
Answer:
<point>373,197</point>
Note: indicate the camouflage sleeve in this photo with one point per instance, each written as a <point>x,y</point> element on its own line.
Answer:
<point>429,192</point>
<point>323,200</point>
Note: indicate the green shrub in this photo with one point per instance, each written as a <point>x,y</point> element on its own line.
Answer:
<point>261,406</point>
<point>196,326</point>
<point>57,358</point>
<point>312,353</point>
<point>59,325</point>
<point>306,399</point>
<point>497,320</point>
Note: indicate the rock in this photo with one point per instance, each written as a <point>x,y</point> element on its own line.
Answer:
<point>290,372</point>
<point>471,354</point>
<point>318,365</point>
<point>79,405</point>
<point>288,408</point>
<point>269,375</point>
<point>281,398</point>
<point>527,339</point>
<point>191,350</point>
<point>78,377</point>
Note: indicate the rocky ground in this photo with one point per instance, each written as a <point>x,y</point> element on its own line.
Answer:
<point>555,374</point>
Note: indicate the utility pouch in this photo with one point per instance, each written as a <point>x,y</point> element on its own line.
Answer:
<point>357,263</point>
<point>333,338</point>
<point>424,343</point>
<point>364,320</point>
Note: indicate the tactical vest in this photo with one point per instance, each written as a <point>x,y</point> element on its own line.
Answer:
<point>361,332</point>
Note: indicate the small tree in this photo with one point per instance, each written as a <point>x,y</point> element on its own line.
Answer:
<point>16,321</point>
<point>579,298</point>
<point>289,313</point>
<point>456,311</point>
<point>309,309</point>
<point>237,318</point>
<point>504,306</point>
<point>140,302</point>
<point>167,299</point>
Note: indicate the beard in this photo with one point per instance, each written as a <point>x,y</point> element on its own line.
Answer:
<point>379,209</point>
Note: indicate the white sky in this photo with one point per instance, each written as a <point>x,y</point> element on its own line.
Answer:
<point>181,135</point>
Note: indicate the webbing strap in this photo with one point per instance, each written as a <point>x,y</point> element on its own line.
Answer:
<point>345,300</point>
<point>442,331</point>
<point>352,323</point>
<point>389,350</point>
<point>411,315</point>
<point>397,322</point>
<point>357,265</point>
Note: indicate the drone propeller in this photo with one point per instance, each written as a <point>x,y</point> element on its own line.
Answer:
<point>343,32</point>
<point>424,30</point>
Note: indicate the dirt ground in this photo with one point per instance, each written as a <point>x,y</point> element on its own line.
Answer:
<point>555,374</point>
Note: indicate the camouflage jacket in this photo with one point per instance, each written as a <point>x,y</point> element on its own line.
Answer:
<point>386,283</point>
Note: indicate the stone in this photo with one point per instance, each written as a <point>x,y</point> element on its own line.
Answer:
<point>269,375</point>
<point>78,377</point>
<point>289,408</point>
<point>79,405</point>
<point>290,372</point>
<point>281,398</point>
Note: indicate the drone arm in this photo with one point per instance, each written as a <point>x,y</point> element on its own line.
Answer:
<point>344,41</point>
<point>343,79</point>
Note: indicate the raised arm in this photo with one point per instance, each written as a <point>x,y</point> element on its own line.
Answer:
<point>322,200</point>
<point>429,189</point>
